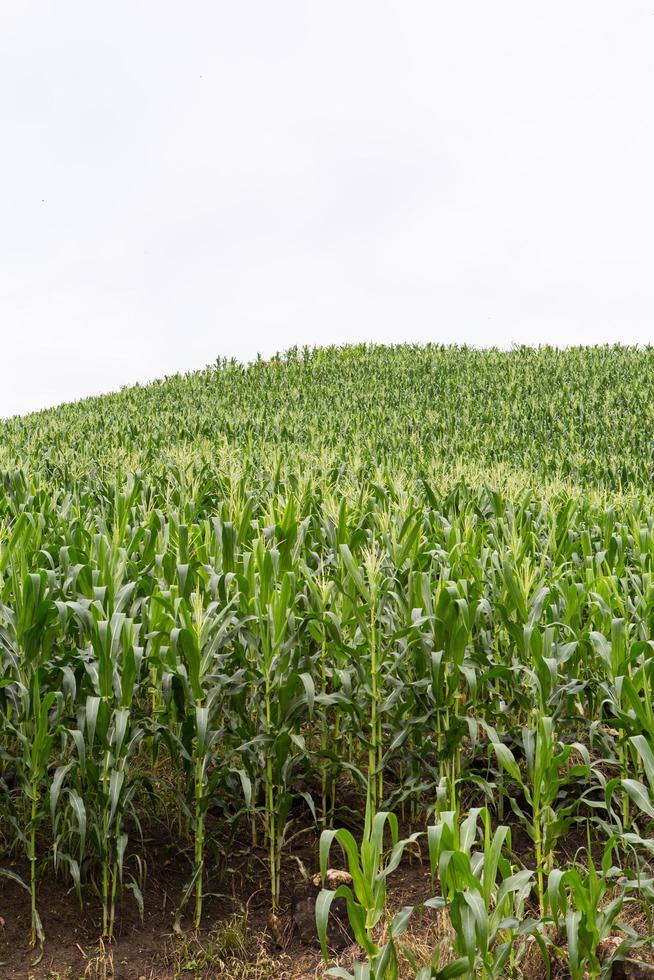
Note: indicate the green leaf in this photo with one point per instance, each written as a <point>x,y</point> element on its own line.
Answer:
<point>355,573</point>
<point>401,921</point>
<point>11,876</point>
<point>507,761</point>
<point>638,793</point>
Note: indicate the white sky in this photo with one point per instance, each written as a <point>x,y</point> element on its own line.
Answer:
<point>181,181</point>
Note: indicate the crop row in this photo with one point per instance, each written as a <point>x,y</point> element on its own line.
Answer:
<point>436,652</point>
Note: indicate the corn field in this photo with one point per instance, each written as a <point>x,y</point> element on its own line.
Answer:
<point>420,575</point>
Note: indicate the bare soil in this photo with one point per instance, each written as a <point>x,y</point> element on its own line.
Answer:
<point>236,924</point>
<point>237,941</point>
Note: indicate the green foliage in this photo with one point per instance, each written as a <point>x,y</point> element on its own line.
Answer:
<point>366,899</point>
<point>485,895</point>
<point>422,575</point>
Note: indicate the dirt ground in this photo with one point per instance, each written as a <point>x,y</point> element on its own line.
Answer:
<point>236,940</point>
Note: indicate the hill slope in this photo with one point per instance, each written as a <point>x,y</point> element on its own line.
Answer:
<point>249,604</point>
<point>584,416</point>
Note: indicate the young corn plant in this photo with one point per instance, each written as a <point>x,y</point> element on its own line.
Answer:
<point>27,635</point>
<point>98,787</point>
<point>641,794</point>
<point>618,696</point>
<point>582,902</point>
<point>366,899</point>
<point>547,773</point>
<point>282,696</point>
<point>322,625</point>
<point>34,730</point>
<point>453,610</point>
<point>484,897</point>
<point>367,588</point>
<point>198,653</point>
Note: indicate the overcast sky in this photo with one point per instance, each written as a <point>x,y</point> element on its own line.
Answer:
<point>181,181</point>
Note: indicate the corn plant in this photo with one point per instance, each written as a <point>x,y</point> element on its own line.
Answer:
<point>100,784</point>
<point>282,695</point>
<point>546,774</point>
<point>27,635</point>
<point>577,901</point>
<point>484,896</point>
<point>367,588</point>
<point>34,733</point>
<point>366,899</point>
<point>196,650</point>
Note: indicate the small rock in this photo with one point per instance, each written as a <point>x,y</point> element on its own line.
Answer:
<point>333,879</point>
